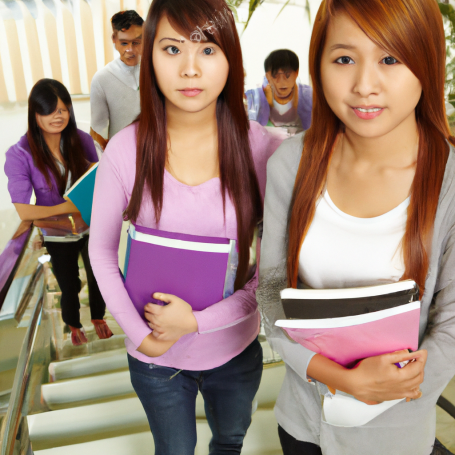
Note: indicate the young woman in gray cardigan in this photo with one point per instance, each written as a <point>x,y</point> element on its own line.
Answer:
<point>366,196</point>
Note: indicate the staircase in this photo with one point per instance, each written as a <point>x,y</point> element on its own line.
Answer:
<point>92,409</point>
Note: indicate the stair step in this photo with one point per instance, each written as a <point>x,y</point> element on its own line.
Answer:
<point>102,362</point>
<point>93,364</point>
<point>88,390</point>
<point>85,423</point>
<point>74,392</point>
<point>123,416</point>
<point>79,392</point>
<point>261,439</point>
<point>272,378</point>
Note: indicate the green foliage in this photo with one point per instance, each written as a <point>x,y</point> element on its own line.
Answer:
<point>308,11</point>
<point>251,9</point>
<point>448,13</point>
<point>233,5</point>
<point>284,6</point>
<point>254,4</point>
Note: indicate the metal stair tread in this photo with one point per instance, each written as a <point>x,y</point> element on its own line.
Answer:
<point>88,365</point>
<point>262,437</point>
<point>81,391</point>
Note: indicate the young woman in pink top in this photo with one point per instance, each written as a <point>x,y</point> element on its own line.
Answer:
<point>191,164</point>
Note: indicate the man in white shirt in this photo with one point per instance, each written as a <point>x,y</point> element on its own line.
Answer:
<point>114,93</point>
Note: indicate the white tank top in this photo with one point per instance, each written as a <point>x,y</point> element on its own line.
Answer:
<point>285,114</point>
<point>342,251</point>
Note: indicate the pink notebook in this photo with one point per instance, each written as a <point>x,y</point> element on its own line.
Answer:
<point>346,340</point>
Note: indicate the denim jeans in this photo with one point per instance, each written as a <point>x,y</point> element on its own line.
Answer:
<point>292,446</point>
<point>168,396</point>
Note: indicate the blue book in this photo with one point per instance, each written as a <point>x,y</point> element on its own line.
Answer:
<point>81,193</point>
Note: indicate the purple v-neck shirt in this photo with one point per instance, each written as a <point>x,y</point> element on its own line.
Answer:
<point>226,328</point>
<point>24,176</point>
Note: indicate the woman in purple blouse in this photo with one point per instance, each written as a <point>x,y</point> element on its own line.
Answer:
<point>48,159</point>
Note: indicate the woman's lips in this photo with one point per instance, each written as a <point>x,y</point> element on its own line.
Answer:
<point>190,91</point>
<point>368,113</point>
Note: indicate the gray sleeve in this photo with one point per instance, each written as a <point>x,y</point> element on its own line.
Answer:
<point>281,172</point>
<point>99,120</point>
<point>439,340</point>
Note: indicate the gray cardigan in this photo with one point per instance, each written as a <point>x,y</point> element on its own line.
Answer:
<point>406,428</point>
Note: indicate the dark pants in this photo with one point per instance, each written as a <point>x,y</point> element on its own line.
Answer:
<point>169,395</point>
<point>64,257</point>
<point>292,446</point>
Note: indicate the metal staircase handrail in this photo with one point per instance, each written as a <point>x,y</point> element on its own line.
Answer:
<point>14,413</point>
<point>10,259</point>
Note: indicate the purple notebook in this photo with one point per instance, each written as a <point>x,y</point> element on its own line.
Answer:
<point>199,270</point>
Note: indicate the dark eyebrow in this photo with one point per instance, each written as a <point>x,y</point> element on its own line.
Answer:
<point>341,46</point>
<point>173,39</point>
<point>130,40</point>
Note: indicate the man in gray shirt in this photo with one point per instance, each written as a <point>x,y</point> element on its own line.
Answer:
<point>114,93</point>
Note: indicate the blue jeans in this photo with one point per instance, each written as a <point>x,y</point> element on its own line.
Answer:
<point>168,396</point>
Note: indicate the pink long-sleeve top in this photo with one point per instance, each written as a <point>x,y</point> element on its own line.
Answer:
<point>226,328</point>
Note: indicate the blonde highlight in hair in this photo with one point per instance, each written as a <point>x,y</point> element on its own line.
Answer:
<point>412,31</point>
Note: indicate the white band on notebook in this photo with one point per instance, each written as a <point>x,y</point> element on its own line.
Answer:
<point>180,244</point>
<point>346,321</point>
<point>348,293</point>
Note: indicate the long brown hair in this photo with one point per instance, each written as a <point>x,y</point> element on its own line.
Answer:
<point>43,100</point>
<point>412,31</point>
<point>237,174</point>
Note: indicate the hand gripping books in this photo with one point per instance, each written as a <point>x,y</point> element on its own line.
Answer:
<point>199,270</point>
<point>348,325</point>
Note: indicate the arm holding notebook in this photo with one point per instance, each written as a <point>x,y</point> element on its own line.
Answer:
<point>375,379</point>
<point>30,212</point>
<point>109,202</point>
<point>152,347</point>
<point>241,305</point>
<point>228,312</point>
<point>21,186</point>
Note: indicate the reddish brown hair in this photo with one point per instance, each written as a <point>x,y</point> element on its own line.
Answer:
<point>412,31</point>
<point>237,173</point>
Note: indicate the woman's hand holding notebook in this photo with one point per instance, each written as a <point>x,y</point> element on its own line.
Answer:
<point>171,321</point>
<point>349,325</point>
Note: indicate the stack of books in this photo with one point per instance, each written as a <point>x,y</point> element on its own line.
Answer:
<point>199,270</point>
<point>351,324</point>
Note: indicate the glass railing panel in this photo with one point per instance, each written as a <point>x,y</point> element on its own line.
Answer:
<point>11,256</point>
